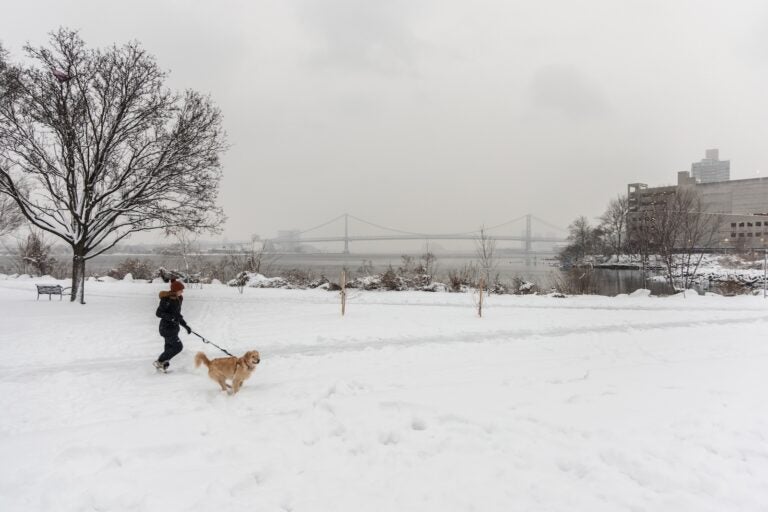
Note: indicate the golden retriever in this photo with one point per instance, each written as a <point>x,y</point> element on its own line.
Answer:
<point>236,369</point>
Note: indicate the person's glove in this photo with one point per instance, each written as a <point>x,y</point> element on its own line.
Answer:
<point>188,328</point>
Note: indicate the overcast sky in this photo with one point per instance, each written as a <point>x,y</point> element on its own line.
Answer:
<point>439,115</point>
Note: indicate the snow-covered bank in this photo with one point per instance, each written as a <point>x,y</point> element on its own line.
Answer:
<point>713,269</point>
<point>410,402</point>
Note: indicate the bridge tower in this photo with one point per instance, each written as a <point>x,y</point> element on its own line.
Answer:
<point>346,233</point>
<point>527,234</point>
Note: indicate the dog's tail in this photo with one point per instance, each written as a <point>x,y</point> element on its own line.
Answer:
<point>201,358</point>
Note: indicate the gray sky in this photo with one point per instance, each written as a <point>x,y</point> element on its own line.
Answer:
<point>440,115</point>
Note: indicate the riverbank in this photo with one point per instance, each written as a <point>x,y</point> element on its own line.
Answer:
<point>714,269</point>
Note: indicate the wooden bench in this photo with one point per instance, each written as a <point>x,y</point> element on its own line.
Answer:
<point>50,289</point>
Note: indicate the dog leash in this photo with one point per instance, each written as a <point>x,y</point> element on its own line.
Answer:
<point>212,343</point>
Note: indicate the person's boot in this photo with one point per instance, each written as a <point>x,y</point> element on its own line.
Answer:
<point>163,367</point>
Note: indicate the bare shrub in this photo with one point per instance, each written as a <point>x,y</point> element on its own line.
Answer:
<point>406,265</point>
<point>365,268</point>
<point>740,246</point>
<point>391,281</point>
<point>730,288</point>
<point>240,281</point>
<point>463,277</point>
<point>417,273</point>
<point>521,286</point>
<point>300,278</point>
<point>576,281</point>
<point>253,257</point>
<point>139,269</point>
<point>319,281</point>
<point>427,265</point>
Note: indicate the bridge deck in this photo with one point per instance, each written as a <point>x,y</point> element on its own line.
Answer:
<point>364,238</point>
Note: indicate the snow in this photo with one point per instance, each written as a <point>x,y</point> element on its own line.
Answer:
<point>256,280</point>
<point>712,268</point>
<point>409,402</point>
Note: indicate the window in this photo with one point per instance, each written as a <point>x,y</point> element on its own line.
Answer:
<point>741,235</point>
<point>758,224</point>
<point>733,224</point>
<point>733,235</point>
<point>749,234</point>
<point>749,224</point>
<point>741,224</point>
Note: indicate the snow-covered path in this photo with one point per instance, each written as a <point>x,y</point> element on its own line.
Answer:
<point>411,402</point>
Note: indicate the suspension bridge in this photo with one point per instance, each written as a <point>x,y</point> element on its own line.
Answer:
<point>526,235</point>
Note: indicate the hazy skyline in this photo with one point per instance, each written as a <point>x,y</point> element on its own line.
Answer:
<point>442,116</point>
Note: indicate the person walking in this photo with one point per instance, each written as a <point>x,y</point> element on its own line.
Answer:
<point>169,312</point>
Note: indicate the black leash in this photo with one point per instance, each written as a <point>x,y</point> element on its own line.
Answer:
<point>212,343</point>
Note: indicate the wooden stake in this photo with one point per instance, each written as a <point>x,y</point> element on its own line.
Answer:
<point>343,281</point>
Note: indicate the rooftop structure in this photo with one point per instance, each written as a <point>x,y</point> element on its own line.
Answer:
<point>711,169</point>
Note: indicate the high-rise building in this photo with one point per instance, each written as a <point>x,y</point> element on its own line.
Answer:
<point>711,169</point>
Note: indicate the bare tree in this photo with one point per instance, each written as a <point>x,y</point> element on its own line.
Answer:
<point>641,243</point>
<point>583,240</point>
<point>254,257</point>
<point>257,258</point>
<point>428,264</point>
<point>614,224</point>
<point>94,147</point>
<point>485,249</point>
<point>697,233</point>
<point>33,254</point>
<point>186,248</point>
<point>679,231</point>
<point>10,216</point>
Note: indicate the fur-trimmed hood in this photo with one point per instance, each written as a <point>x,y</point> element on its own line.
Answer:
<point>167,294</point>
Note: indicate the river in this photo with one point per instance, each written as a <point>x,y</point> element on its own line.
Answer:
<point>542,271</point>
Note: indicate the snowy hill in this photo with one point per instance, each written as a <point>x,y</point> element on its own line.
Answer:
<point>410,402</point>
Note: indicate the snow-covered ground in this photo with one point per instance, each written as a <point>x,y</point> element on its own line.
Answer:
<point>410,402</point>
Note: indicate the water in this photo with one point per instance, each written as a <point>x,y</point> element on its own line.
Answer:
<point>544,272</point>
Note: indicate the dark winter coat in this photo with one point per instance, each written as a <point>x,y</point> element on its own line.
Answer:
<point>169,312</point>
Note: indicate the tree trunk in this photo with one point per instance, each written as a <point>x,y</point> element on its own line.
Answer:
<point>78,275</point>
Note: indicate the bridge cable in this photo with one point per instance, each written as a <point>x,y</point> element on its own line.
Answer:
<point>548,224</point>
<point>321,225</point>
<point>502,224</point>
<point>425,235</point>
<point>386,228</point>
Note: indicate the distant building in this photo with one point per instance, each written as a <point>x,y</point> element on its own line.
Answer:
<point>288,240</point>
<point>711,169</point>
<point>743,205</point>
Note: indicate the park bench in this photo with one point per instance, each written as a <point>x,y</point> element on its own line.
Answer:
<point>50,289</point>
